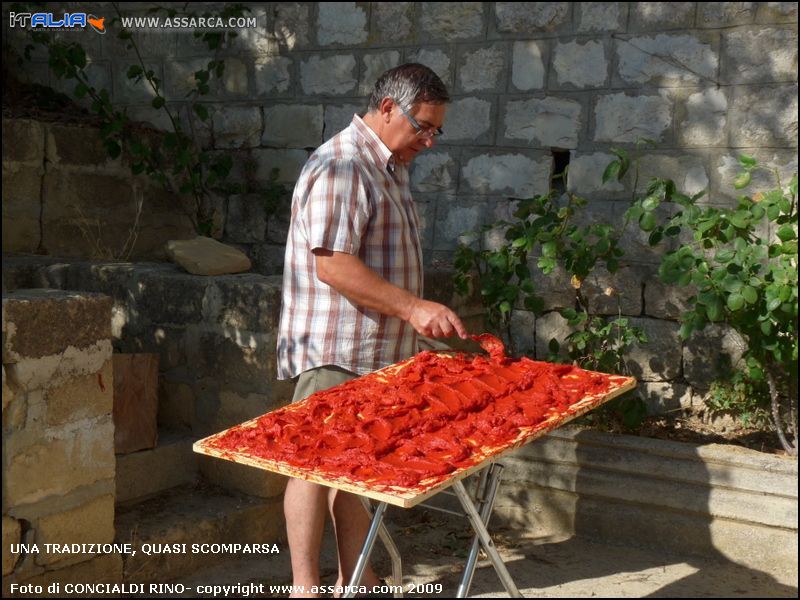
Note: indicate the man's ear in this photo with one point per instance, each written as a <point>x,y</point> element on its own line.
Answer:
<point>385,108</point>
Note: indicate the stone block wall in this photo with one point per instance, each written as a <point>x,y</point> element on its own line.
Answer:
<point>58,436</point>
<point>63,196</point>
<point>530,82</point>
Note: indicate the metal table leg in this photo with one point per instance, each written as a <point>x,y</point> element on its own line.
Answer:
<point>486,541</point>
<point>391,548</point>
<point>366,550</point>
<point>485,496</point>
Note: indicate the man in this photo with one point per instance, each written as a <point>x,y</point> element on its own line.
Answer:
<point>352,283</point>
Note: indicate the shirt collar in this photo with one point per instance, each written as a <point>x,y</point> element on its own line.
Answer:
<point>380,152</point>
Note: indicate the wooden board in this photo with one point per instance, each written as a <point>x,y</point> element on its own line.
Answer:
<point>135,402</point>
<point>408,497</point>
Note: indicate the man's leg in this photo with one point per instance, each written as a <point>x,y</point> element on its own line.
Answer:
<point>304,502</point>
<point>351,524</point>
<point>304,508</point>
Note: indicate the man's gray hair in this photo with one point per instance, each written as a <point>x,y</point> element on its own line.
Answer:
<point>407,85</point>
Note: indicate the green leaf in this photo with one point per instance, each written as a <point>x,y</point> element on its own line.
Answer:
<point>612,170</point>
<point>725,255</point>
<point>786,233</point>
<point>742,180</point>
<point>750,294</point>
<point>735,302</point>
<point>81,90</point>
<point>647,221</point>
<point>650,203</point>
<point>714,310</point>
<point>748,162</point>
<point>554,346</point>
<point>158,102</point>
<point>793,185</point>
<point>201,111</point>
<point>134,71</point>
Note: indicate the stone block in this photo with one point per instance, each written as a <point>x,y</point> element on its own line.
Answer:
<point>523,330</point>
<point>22,205</point>
<point>666,301</point>
<point>73,319</point>
<point>258,40</point>
<point>291,24</point>
<point>237,126</point>
<point>131,91</point>
<point>551,326</point>
<point>342,23</point>
<point>434,172</point>
<point>759,55</point>
<point>452,21</point>
<point>585,176</point>
<point>393,22</point>
<point>81,398</point>
<point>180,80</point>
<point>426,211</point>
<point>69,458</point>
<point>176,403</point>
<point>105,568</point>
<point>455,217</point>
<point>288,162</point>
<point>703,117</point>
<point>437,59</point>
<point>622,118</point>
<point>293,126</point>
<point>245,302</point>
<point>528,65</point>
<point>241,478</point>
<point>238,359</point>
<point>659,359</point>
<point>338,118</point>
<point>529,17</point>
<point>273,75</point>
<point>725,167</point>
<point>544,122</point>
<point>469,120</point>
<point>725,14</point>
<point>481,68</point>
<point>12,534</point>
<point>268,259</point>
<point>23,141</point>
<point>204,256</point>
<point>374,66</point>
<point>520,175</point>
<point>555,288</point>
<point>602,16</point>
<point>149,472</point>
<point>653,16</point>
<point>777,12</point>
<point>171,296</point>
<point>613,293</point>
<point>689,171</point>
<point>247,219</point>
<point>135,402</point>
<point>329,76</point>
<point>91,523</point>
<point>665,398</point>
<point>579,65</point>
<point>764,116</point>
<point>709,354</point>
<point>235,80</point>
<point>666,60</point>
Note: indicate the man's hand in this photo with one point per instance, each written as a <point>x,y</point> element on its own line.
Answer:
<point>432,319</point>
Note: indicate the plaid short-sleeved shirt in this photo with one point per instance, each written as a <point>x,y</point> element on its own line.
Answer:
<point>351,197</point>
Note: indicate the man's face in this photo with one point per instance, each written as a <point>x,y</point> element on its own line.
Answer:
<point>402,138</point>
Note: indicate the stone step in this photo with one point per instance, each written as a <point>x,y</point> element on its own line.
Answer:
<point>189,521</point>
<point>149,472</point>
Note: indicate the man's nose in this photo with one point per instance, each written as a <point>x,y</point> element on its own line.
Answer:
<point>428,141</point>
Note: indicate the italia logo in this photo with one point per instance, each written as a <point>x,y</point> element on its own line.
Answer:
<point>48,21</point>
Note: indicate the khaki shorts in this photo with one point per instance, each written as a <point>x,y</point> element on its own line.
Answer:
<point>320,378</point>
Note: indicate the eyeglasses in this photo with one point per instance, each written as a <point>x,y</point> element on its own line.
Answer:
<point>425,132</point>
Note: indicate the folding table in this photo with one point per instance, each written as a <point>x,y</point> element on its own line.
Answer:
<point>478,511</point>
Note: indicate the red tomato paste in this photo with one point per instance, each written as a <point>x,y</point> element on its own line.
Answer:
<point>412,426</point>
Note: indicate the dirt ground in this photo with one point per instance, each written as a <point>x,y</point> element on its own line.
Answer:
<point>434,549</point>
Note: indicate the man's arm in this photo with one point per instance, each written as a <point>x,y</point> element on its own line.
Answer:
<point>349,276</point>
